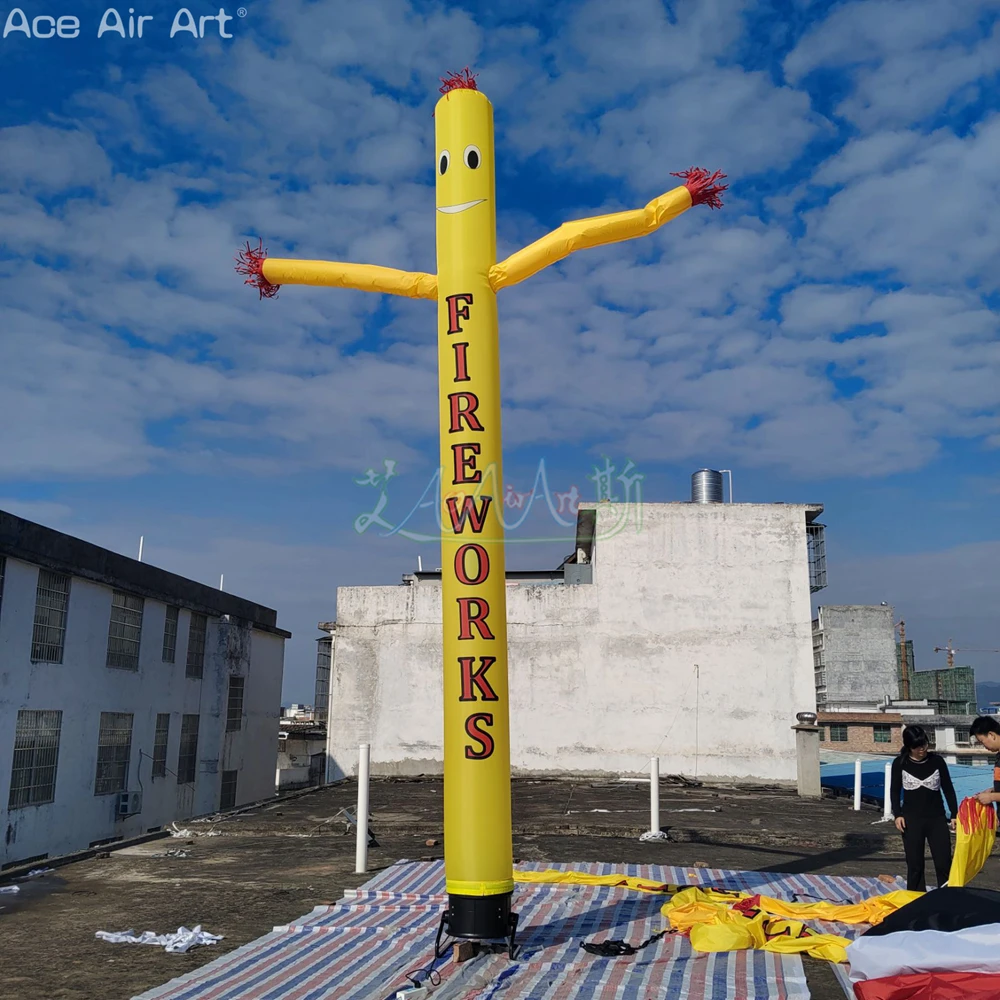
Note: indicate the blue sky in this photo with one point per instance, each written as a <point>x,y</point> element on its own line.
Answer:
<point>831,335</point>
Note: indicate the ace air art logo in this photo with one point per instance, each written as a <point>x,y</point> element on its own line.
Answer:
<point>125,23</point>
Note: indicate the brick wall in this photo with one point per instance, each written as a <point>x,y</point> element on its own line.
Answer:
<point>860,734</point>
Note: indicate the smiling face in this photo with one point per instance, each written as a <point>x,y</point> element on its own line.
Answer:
<point>463,168</point>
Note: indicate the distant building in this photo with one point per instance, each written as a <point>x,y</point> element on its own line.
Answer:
<point>298,713</point>
<point>322,699</point>
<point>860,732</point>
<point>301,756</point>
<point>129,696</point>
<point>680,629</point>
<point>854,654</point>
<point>950,690</point>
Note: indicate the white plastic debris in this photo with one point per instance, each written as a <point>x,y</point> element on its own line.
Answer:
<point>178,943</point>
<point>36,872</point>
<point>653,835</point>
<point>191,834</point>
<point>10,889</point>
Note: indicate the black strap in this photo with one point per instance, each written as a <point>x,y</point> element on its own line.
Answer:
<point>612,949</point>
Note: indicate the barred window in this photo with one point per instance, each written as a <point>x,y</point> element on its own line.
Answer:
<point>234,712</point>
<point>170,635</point>
<point>228,797</point>
<point>838,733</point>
<point>125,631</point>
<point>160,745</point>
<point>196,646</point>
<point>187,762</point>
<point>114,745</point>
<point>48,639</point>
<point>36,755</point>
<point>962,737</point>
<point>882,733</point>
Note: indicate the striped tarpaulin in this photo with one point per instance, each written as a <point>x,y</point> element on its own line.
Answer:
<point>362,947</point>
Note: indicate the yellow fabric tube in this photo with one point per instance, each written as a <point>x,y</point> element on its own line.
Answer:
<point>477,811</point>
<point>363,277</point>
<point>586,233</point>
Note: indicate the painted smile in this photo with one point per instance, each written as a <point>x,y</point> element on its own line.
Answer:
<point>453,209</point>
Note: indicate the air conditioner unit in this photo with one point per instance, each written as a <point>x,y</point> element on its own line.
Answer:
<point>129,804</point>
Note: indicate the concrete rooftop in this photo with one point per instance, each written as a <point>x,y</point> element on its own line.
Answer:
<point>247,872</point>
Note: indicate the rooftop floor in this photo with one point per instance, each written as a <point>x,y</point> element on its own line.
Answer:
<point>245,873</point>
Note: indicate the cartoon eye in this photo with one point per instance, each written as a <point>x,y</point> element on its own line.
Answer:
<point>444,161</point>
<point>473,157</point>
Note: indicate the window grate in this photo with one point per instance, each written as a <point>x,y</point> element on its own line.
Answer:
<point>234,710</point>
<point>170,635</point>
<point>228,797</point>
<point>816,544</point>
<point>35,758</point>
<point>114,745</point>
<point>160,745</point>
<point>125,631</point>
<point>838,733</point>
<point>196,646</point>
<point>48,637</point>
<point>882,733</point>
<point>187,762</point>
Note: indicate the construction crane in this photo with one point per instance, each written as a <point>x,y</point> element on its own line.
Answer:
<point>952,650</point>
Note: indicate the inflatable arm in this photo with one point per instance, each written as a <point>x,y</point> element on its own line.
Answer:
<point>268,274</point>
<point>700,188</point>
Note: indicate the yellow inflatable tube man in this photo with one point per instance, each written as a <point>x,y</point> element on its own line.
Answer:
<point>477,810</point>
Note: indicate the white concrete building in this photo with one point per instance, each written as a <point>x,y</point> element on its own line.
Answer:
<point>854,655</point>
<point>129,696</point>
<point>684,631</point>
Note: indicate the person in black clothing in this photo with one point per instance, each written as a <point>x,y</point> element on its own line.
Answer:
<point>986,732</point>
<point>919,778</point>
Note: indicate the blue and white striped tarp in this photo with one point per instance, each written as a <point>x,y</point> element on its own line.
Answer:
<point>363,947</point>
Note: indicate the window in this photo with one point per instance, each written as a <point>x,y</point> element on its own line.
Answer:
<point>822,734</point>
<point>196,646</point>
<point>234,712</point>
<point>51,604</point>
<point>962,737</point>
<point>124,631</point>
<point>113,748</point>
<point>170,635</point>
<point>228,798</point>
<point>816,546</point>
<point>932,738</point>
<point>838,733</point>
<point>36,754</point>
<point>188,753</point>
<point>160,745</point>
<point>882,733</point>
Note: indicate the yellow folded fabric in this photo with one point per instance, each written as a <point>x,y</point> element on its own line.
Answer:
<point>554,877</point>
<point>976,832</point>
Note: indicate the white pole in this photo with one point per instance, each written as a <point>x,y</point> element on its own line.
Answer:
<point>222,579</point>
<point>140,548</point>
<point>857,785</point>
<point>361,852</point>
<point>887,802</point>
<point>654,795</point>
<point>420,565</point>
<point>697,713</point>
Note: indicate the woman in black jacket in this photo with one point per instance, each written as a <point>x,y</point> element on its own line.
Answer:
<point>919,778</point>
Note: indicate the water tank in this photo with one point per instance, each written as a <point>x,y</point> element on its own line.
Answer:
<point>706,486</point>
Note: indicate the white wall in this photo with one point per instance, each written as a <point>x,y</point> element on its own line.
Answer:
<point>83,687</point>
<point>602,675</point>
